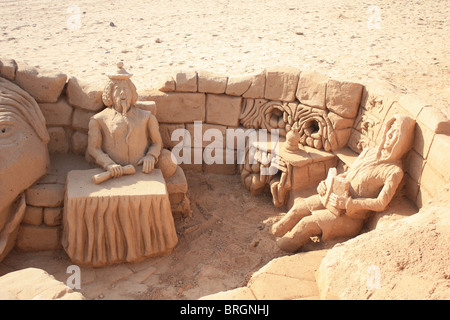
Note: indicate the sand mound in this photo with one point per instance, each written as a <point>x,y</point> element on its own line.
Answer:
<point>407,259</point>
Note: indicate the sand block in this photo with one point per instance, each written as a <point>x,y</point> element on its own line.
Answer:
<point>412,104</point>
<point>281,83</point>
<point>37,238</point>
<point>80,120</point>
<point>167,129</point>
<point>178,107</point>
<point>45,195</point>
<point>438,156</point>
<point>79,142</point>
<point>43,86</point>
<point>413,164</point>
<point>311,90</point>
<point>219,161</point>
<point>58,113</point>
<point>189,158</point>
<point>33,215</point>
<point>147,105</point>
<point>85,95</point>
<point>211,83</point>
<point>343,97</point>
<point>186,81</point>
<point>53,216</point>
<point>123,219</point>
<point>237,85</point>
<point>167,85</point>
<point>256,90</point>
<point>434,119</point>
<point>59,140</point>
<point>215,134</point>
<point>223,109</point>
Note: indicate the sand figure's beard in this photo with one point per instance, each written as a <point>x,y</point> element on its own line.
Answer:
<point>122,105</point>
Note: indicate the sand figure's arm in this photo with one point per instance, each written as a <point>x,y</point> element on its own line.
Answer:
<point>95,150</point>
<point>149,160</point>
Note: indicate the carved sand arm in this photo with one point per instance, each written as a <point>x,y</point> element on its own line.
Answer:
<point>95,145</point>
<point>155,138</point>
<point>379,203</point>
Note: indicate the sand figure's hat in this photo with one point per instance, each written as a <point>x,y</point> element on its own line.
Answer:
<point>120,73</point>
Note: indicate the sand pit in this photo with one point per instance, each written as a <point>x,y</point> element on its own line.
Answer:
<point>228,237</point>
<point>219,248</point>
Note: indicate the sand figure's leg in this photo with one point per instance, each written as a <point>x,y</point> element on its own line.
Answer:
<point>298,211</point>
<point>299,235</point>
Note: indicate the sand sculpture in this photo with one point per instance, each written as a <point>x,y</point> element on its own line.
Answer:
<point>344,201</point>
<point>122,210</point>
<point>127,218</point>
<point>316,125</point>
<point>125,135</point>
<point>23,157</point>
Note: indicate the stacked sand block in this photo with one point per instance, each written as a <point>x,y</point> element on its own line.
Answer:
<point>65,103</point>
<point>41,227</point>
<point>217,102</point>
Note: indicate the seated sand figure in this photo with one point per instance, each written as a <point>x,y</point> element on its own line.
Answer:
<point>127,218</point>
<point>23,157</point>
<point>368,185</point>
<point>123,135</point>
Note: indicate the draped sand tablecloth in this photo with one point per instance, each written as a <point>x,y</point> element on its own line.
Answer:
<point>124,219</point>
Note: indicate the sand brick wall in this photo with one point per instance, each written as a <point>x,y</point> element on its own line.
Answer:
<point>356,112</point>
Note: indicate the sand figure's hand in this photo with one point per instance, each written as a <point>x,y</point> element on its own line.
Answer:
<point>322,188</point>
<point>148,163</point>
<point>115,170</point>
<point>338,202</point>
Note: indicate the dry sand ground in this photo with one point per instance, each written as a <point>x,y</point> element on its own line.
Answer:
<point>227,239</point>
<point>341,38</point>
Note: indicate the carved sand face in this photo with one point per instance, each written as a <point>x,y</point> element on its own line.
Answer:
<point>391,137</point>
<point>122,96</point>
<point>23,159</point>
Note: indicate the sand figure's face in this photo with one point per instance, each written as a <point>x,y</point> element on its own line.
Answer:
<point>23,159</point>
<point>398,137</point>
<point>122,96</point>
<point>391,137</point>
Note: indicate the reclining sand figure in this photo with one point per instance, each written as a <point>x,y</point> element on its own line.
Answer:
<point>373,180</point>
<point>23,157</point>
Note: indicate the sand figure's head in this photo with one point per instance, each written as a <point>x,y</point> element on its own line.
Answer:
<point>23,147</point>
<point>397,138</point>
<point>120,92</point>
